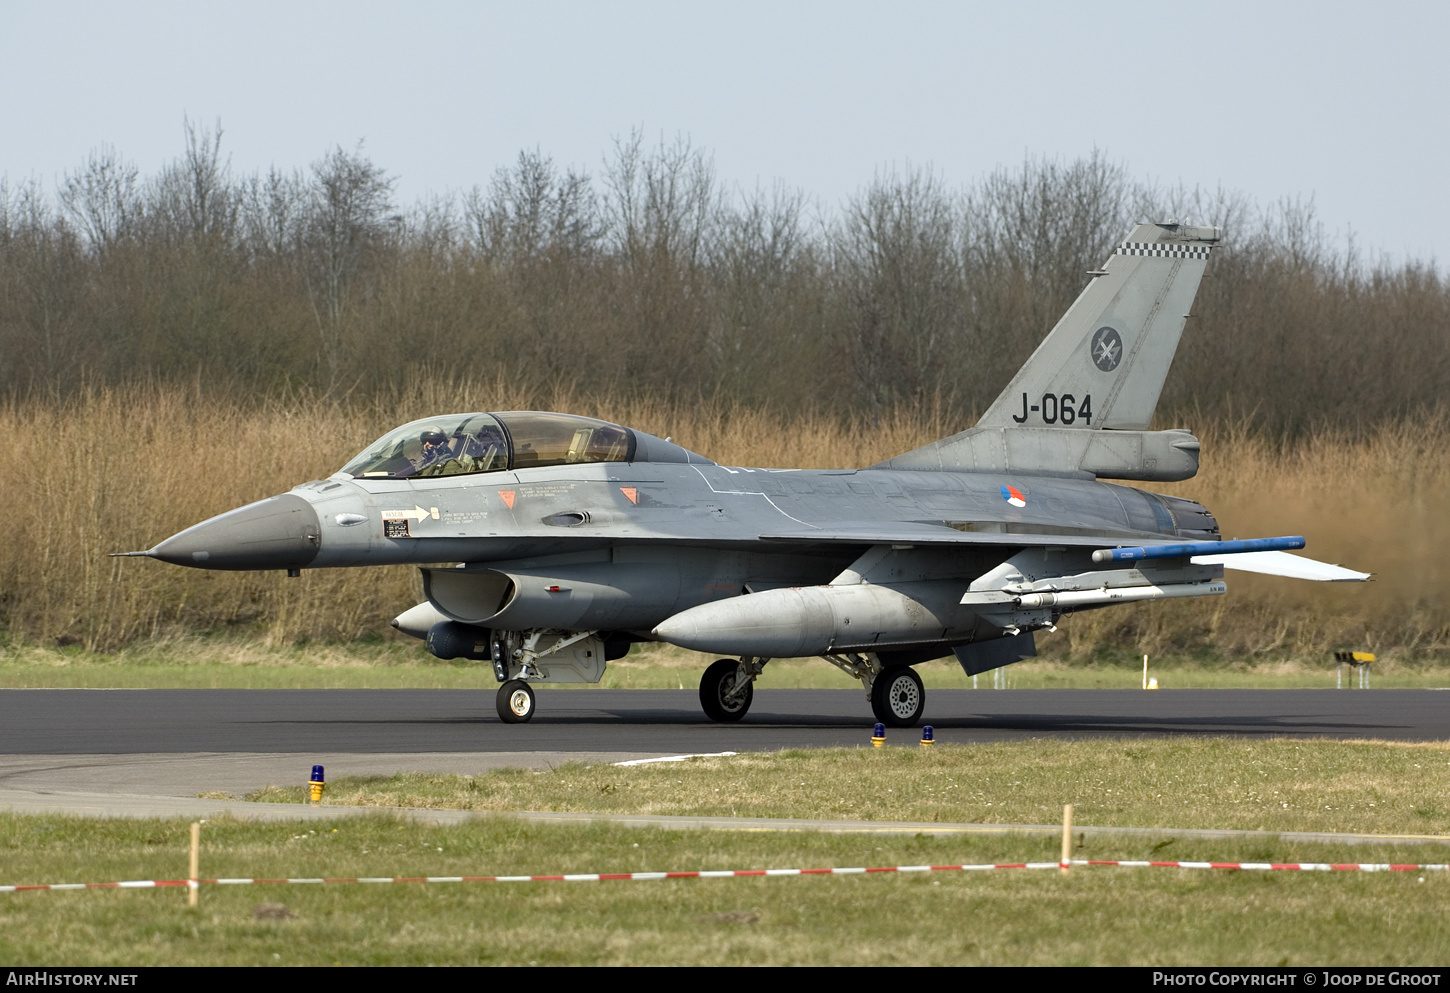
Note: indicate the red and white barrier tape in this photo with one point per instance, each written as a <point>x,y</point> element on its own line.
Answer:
<point>599,877</point>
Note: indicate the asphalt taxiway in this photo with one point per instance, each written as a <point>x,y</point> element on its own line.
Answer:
<point>57,722</point>
<point>152,752</point>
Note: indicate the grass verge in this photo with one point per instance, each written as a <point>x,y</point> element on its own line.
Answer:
<point>1277,785</point>
<point>1010,917</point>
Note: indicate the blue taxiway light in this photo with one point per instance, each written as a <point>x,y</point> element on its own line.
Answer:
<point>1188,548</point>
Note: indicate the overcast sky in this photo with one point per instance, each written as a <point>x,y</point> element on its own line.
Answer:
<point>1345,103</point>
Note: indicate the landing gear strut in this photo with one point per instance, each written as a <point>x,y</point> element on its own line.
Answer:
<point>728,686</point>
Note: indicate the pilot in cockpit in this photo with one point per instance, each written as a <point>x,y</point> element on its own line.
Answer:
<point>484,449</point>
<point>435,447</point>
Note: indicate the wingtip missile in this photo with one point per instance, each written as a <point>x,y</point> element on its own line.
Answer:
<point>1188,548</point>
<point>1268,556</point>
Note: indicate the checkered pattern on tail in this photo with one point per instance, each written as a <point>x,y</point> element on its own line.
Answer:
<point>1162,251</point>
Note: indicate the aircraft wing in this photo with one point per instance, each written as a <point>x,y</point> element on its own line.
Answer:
<point>1284,564</point>
<point>1244,555</point>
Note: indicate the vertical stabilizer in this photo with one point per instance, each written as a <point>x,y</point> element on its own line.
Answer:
<point>1104,364</point>
<point>1082,402</point>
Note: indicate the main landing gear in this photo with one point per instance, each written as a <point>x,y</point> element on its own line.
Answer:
<point>897,696</point>
<point>728,687</point>
<point>895,691</point>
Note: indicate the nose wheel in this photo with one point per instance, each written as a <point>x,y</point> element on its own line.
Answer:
<point>726,690</point>
<point>897,696</point>
<point>515,701</point>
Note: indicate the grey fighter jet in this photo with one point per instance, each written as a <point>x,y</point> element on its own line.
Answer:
<point>573,538</point>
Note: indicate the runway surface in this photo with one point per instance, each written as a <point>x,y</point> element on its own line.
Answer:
<point>56,722</point>
<point>124,751</point>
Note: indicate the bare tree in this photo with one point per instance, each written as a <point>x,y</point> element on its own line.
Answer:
<point>896,251</point>
<point>104,198</point>
<point>42,290</point>
<point>659,211</point>
<point>764,310</point>
<point>273,209</point>
<point>194,195</point>
<point>533,211</point>
<point>660,203</point>
<point>350,199</point>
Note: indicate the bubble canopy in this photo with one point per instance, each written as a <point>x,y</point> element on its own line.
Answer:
<point>458,444</point>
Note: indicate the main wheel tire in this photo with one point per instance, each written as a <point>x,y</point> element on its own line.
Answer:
<point>515,701</point>
<point>716,691</point>
<point>897,697</point>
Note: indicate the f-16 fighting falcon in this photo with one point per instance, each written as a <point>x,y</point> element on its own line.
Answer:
<point>573,538</point>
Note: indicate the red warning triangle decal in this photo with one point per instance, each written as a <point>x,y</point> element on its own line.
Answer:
<point>630,493</point>
<point>508,498</point>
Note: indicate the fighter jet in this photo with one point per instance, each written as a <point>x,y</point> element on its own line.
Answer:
<point>550,543</point>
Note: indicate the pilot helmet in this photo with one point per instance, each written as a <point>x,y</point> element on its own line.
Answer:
<point>433,436</point>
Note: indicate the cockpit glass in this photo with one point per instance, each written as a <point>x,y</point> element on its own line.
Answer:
<point>560,439</point>
<point>439,446</point>
<point>456,444</point>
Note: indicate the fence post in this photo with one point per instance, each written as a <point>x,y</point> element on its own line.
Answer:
<point>193,888</point>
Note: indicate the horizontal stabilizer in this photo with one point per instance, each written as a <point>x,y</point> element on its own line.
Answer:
<point>1284,564</point>
<point>1178,551</point>
<point>1161,456</point>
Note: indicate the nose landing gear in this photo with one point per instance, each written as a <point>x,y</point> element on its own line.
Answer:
<point>728,687</point>
<point>515,702</point>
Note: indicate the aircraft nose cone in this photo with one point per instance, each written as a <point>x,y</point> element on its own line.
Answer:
<point>281,532</point>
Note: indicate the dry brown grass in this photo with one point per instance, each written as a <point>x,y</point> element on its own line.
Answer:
<point>121,468</point>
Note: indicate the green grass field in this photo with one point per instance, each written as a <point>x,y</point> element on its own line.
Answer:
<point>1095,916</point>
<point>1232,783</point>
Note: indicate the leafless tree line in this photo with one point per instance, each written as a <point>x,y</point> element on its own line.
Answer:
<point>656,279</point>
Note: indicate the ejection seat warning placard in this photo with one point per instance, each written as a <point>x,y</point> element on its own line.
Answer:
<point>397,523</point>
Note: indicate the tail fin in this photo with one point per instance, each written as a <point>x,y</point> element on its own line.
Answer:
<point>1104,364</point>
<point>1102,367</point>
